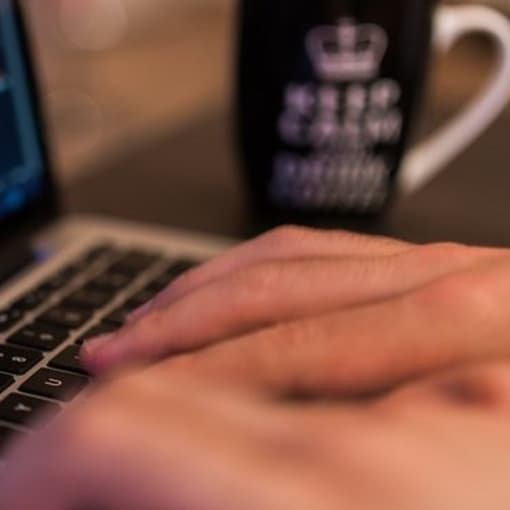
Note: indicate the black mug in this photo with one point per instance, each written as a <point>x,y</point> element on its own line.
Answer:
<point>328,93</point>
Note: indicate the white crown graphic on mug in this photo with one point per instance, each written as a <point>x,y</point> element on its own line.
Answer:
<point>347,51</point>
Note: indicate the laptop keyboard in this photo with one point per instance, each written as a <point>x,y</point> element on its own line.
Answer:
<point>43,330</point>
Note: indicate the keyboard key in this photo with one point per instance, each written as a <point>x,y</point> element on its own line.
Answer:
<point>161,282</point>
<point>100,329</point>
<point>130,272</point>
<point>17,361</point>
<point>128,307</point>
<point>88,298</point>
<point>69,359</point>
<point>118,317</point>
<point>39,336</point>
<point>60,279</point>
<point>111,281</point>
<point>21,410</point>
<point>174,270</point>
<point>5,381</point>
<point>66,318</point>
<point>140,298</point>
<point>9,318</point>
<point>134,262</point>
<point>56,385</point>
<point>33,299</point>
<point>97,252</point>
<point>181,266</point>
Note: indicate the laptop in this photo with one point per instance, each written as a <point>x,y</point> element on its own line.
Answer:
<point>62,279</point>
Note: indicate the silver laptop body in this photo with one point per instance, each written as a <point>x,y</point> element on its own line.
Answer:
<point>61,276</point>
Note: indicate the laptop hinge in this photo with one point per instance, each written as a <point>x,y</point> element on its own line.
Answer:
<point>14,257</point>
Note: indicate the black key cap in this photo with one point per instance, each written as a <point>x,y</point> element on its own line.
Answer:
<point>181,266</point>
<point>174,270</point>
<point>66,318</point>
<point>17,361</point>
<point>21,410</point>
<point>111,281</point>
<point>5,381</point>
<point>56,385</point>
<point>97,252</point>
<point>60,279</point>
<point>134,262</point>
<point>161,282</point>
<point>33,299</point>
<point>130,306</point>
<point>140,298</point>
<point>101,329</point>
<point>88,298</point>
<point>39,336</point>
<point>9,318</point>
<point>117,317</point>
<point>69,359</point>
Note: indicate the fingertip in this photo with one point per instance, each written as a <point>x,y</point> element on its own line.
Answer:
<point>94,345</point>
<point>95,354</point>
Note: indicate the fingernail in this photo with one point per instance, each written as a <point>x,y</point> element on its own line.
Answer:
<point>139,312</point>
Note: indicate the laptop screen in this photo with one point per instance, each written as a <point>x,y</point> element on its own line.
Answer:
<point>23,172</point>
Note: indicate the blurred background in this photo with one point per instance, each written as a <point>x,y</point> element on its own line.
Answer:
<point>115,71</point>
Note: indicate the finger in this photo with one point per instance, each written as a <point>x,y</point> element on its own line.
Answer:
<point>460,319</point>
<point>273,293</point>
<point>281,244</point>
<point>86,476</point>
<point>193,449</point>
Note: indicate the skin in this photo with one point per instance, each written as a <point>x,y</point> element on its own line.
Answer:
<point>300,311</point>
<point>160,443</point>
<point>400,350</point>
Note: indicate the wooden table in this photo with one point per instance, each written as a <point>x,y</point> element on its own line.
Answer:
<point>192,180</point>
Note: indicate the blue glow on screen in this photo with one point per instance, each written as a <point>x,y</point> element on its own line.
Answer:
<point>21,168</point>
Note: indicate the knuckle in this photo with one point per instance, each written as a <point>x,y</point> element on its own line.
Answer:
<point>464,296</point>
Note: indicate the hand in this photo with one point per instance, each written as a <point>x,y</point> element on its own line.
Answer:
<point>319,312</point>
<point>146,441</point>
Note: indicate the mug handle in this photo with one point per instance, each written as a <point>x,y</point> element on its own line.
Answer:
<point>427,160</point>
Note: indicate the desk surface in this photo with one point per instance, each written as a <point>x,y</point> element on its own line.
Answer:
<point>191,180</point>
